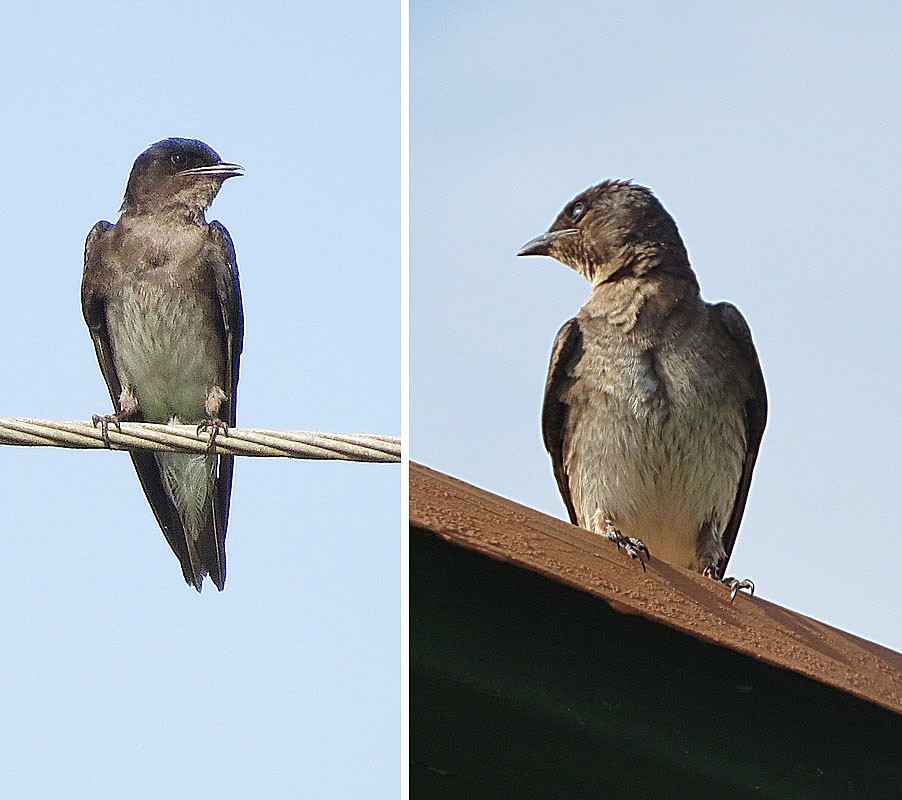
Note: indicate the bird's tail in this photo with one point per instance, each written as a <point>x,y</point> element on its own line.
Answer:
<point>189,482</point>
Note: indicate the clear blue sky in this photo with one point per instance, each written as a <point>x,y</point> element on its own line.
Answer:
<point>118,679</point>
<point>771,132</point>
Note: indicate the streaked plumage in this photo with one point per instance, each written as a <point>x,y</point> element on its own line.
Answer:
<point>655,402</point>
<point>161,298</point>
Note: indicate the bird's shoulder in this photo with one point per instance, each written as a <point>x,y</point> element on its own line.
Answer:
<point>734,323</point>
<point>746,365</point>
<point>97,233</point>
<point>220,243</point>
<point>95,243</point>
<point>568,344</point>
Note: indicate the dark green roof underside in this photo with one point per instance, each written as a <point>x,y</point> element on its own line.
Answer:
<point>521,687</point>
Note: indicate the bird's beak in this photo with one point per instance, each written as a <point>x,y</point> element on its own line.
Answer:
<point>221,170</point>
<point>542,244</point>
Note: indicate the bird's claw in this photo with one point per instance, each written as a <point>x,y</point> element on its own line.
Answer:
<point>104,422</point>
<point>737,586</point>
<point>733,584</point>
<point>632,546</point>
<point>215,426</point>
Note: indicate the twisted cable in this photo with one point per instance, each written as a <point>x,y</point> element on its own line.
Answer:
<point>185,439</point>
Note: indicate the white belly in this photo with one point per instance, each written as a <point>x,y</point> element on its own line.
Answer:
<point>164,351</point>
<point>658,464</point>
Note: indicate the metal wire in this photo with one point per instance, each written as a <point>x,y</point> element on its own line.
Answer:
<point>185,439</point>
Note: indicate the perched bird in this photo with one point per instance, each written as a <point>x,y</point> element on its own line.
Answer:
<point>161,298</point>
<point>655,402</point>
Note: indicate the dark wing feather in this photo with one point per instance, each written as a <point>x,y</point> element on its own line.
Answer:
<point>755,406</point>
<point>95,282</point>
<point>567,349</point>
<point>224,267</point>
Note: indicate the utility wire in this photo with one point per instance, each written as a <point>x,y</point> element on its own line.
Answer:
<point>185,439</point>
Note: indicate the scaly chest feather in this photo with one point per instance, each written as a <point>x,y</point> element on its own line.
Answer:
<point>167,344</point>
<point>647,446</point>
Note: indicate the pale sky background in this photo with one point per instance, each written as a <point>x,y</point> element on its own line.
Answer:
<point>771,132</point>
<point>118,680</point>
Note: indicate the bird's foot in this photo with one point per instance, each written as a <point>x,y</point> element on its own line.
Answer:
<point>634,548</point>
<point>104,422</point>
<point>734,584</point>
<point>215,426</point>
<point>128,409</point>
<point>737,586</point>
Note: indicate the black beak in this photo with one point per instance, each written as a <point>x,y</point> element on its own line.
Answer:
<point>221,170</point>
<point>542,244</point>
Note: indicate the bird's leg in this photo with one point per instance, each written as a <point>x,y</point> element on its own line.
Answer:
<point>128,407</point>
<point>734,584</point>
<point>215,398</point>
<point>634,547</point>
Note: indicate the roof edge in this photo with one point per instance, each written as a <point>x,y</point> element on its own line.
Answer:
<point>470,517</point>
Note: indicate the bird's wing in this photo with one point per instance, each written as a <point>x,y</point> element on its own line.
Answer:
<point>228,292</point>
<point>567,348</point>
<point>755,406</point>
<point>224,269</point>
<point>94,287</point>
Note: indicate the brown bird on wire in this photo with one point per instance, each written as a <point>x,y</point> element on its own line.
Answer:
<point>161,298</point>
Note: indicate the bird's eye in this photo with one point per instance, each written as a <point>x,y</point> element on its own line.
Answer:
<point>177,159</point>
<point>577,210</point>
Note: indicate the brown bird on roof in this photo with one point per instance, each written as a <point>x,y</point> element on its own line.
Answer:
<point>655,403</point>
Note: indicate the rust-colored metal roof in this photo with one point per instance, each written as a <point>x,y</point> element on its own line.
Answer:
<point>475,519</point>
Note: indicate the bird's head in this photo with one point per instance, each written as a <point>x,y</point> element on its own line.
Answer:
<point>177,173</point>
<point>610,230</point>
